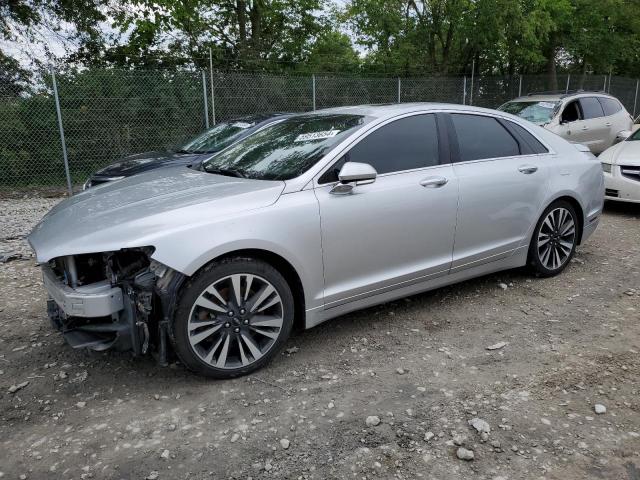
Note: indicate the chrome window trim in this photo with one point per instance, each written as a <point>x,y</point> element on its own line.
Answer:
<point>309,179</point>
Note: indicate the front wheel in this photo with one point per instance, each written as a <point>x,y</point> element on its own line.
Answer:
<point>554,239</point>
<point>233,317</point>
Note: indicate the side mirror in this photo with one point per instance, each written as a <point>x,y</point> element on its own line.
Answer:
<point>354,173</point>
<point>623,135</point>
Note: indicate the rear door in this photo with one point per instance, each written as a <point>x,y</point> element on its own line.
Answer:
<point>596,129</point>
<point>616,117</point>
<point>397,230</point>
<point>502,174</point>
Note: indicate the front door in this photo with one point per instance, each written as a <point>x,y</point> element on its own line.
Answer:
<point>397,230</point>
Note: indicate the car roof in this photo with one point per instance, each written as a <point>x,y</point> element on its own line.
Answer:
<point>556,97</point>
<point>394,109</point>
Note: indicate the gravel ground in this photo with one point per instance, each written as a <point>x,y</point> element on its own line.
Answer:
<point>404,390</point>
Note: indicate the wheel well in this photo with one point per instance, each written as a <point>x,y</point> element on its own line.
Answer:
<point>288,272</point>
<point>576,206</point>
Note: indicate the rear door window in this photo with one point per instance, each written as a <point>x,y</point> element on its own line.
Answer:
<point>609,105</point>
<point>591,108</point>
<point>481,137</point>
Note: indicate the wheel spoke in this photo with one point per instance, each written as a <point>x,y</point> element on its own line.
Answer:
<point>236,281</point>
<point>266,321</point>
<point>222,358</point>
<point>214,291</point>
<point>253,348</point>
<point>568,229</point>
<point>545,256</point>
<point>558,262</point>
<point>199,337</point>
<point>266,333</point>
<point>248,287</point>
<point>209,305</point>
<point>261,296</point>
<point>212,351</point>
<point>203,323</point>
<point>543,242</point>
<point>243,356</point>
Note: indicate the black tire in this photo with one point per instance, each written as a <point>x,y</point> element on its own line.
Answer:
<point>193,291</point>
<point>536,259</point>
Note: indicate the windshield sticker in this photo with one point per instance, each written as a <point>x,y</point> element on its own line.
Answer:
<point>547,104</point>
<point>242,125</point>
<point>308,137</point>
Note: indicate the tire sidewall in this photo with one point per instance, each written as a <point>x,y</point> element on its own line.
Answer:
<point>534,260</point>
<point>203,279</point>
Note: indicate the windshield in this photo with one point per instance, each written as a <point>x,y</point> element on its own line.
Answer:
<point>218,137</point>
<point>635,136</point>
<point>536,112</point>
<point>284,150</point>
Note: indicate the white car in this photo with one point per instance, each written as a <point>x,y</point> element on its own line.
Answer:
<point>621,167</point>
<point>594,119</point>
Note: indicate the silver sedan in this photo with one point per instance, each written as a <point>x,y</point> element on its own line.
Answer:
<point>308,219</point>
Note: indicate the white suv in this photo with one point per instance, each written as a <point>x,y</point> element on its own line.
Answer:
<point>594,119</point>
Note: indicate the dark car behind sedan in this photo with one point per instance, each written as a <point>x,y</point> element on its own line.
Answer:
<point>192,154</point>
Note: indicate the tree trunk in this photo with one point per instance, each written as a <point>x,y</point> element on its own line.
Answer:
<point>241,7</point>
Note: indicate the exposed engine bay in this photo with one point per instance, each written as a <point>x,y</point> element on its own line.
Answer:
<point>121,300</point>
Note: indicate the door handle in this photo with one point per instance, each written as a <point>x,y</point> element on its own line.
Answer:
<point>608,124</point>
<point>433,182</point>
<point>528,169</point>
<point>585,128</point>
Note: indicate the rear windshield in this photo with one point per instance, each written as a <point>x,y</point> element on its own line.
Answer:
<point>536,112</point>
<point>635,136</point>
<point>287,149</point>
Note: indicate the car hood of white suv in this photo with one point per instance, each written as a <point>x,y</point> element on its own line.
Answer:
<point>135,211</point>
<point>623,153</point>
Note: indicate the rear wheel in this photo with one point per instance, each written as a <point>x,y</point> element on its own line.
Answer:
<point>233,317</point>
<point>554,239</point>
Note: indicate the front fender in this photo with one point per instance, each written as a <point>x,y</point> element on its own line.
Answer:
<point>290,228</point>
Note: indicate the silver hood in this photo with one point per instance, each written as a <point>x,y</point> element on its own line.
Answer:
<point>136,211</point>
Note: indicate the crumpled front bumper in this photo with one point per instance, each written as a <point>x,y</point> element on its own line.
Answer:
<point>96,316</point>
<point>96,300</point>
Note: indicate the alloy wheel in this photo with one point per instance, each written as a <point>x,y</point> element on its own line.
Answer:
<point>235,321</point>
<point>556,238</point>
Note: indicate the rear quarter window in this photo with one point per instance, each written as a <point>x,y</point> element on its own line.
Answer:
<point>534,145</point>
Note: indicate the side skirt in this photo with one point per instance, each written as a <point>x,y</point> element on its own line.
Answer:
<point>318,315</point>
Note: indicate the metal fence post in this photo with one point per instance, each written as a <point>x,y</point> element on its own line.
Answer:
<point>399,87</point>
<point>566,90</point>
<point>604,88</point>
<point>473,67</point>
<point>520,86</point>
<point>464,90</point>
<point>313,90</point>
<point>62,141</point>
<point>213,103</point>
<point>206,101</point>
<point>609,90</point>
<point>635,100</point>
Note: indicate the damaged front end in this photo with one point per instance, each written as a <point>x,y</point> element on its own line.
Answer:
<point>121,300</point>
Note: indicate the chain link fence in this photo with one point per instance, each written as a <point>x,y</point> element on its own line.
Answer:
<point>108,114</point>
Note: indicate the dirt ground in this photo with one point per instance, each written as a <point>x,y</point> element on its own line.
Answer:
<point>421,365</point>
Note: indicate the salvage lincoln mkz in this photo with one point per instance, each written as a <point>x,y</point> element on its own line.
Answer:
<point>306,220</point>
